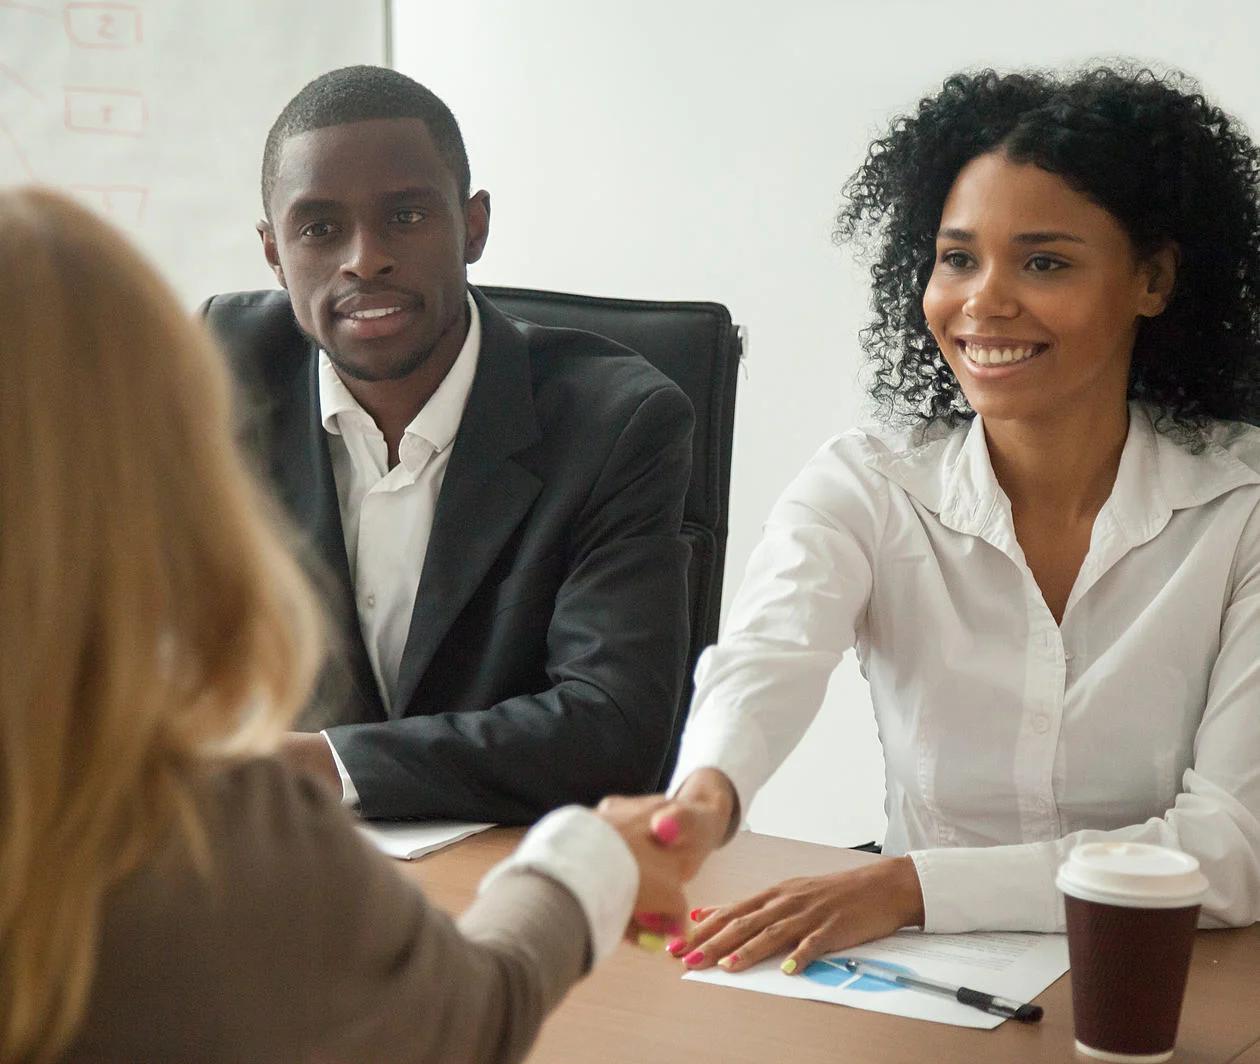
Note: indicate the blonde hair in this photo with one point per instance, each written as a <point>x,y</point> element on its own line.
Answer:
<point>151,621</point>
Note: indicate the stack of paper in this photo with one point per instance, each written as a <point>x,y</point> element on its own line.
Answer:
<point>409,839</point>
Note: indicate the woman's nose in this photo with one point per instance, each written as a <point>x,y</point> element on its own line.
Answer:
<point>991,296</point>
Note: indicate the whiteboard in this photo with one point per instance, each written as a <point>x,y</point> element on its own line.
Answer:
<point>155,112</point>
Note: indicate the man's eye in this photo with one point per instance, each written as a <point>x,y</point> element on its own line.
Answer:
<point>315,230</point>
<point>409,217</point>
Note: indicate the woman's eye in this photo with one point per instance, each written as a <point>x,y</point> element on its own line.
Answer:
<point>1044,264</point>
<point>955,260</point>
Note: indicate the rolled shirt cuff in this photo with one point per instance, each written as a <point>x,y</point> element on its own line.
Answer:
<point>990,888</point>
<point>349,792</point>
<point>586,856</point>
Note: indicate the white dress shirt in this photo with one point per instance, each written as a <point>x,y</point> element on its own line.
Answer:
<point>387,514</point>
<point>1008,738</point>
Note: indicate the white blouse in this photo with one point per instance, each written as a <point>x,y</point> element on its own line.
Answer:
<point>1008,738</point>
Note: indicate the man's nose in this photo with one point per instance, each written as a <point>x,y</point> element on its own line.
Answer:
<point>991,296</point>
<point>367,255</point>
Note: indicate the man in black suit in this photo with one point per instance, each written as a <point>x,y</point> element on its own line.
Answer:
<point>499,504</point>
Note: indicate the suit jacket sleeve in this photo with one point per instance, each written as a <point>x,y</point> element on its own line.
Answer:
<point>616,656</point>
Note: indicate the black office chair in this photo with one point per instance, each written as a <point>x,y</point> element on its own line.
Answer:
<point>697,347</point>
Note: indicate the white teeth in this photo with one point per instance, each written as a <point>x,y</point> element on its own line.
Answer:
<point>380,313</point>
<point>993,356</point>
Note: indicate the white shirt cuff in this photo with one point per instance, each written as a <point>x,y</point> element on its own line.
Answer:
<point>349,792</point>
<point>587,857</point>
<point>989,888</point>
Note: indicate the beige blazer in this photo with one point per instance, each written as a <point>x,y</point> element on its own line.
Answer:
<point>303,944</point>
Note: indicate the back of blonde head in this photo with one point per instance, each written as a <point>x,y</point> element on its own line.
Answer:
<point>151,620</point>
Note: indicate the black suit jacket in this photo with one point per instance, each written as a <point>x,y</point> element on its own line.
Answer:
<point>547,646</point>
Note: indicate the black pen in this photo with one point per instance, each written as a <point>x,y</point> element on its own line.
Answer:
<point>990,1003</point>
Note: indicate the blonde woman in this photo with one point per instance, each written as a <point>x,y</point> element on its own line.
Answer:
<point>166,892</point>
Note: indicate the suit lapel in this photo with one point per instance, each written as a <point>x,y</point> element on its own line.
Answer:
<point>302,473</point>
<point>484,496</point>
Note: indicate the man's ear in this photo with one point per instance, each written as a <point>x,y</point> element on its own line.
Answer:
<point>1161,279</point>
<point>270,252</point>
<point>476,225</point>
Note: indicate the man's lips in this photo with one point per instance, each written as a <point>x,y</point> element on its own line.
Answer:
<point>365,306</point>
<point>371,316</point>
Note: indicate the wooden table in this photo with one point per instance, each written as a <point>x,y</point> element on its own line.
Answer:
<point>637,1010</point>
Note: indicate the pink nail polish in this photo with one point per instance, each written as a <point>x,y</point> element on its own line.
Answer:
<point>729,962</point>
<point>696,956</point>
<point>666,829</point>
<point>695,915</point>
<point>676,945</point>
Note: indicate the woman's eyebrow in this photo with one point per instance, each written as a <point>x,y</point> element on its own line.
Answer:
<point>1049,236</point>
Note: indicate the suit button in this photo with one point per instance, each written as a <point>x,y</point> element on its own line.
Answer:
<point>370,600</point>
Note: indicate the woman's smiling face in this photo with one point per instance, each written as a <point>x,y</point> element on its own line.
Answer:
<point>1036,293</point>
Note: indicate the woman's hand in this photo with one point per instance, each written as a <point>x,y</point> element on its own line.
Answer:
<point>704,811</point>
<point>808,917</point>
<point>660,907</point>
<point>670,839</point>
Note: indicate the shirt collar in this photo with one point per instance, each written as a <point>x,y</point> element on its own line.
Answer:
<point>438,420</point>
<point>948,471</point>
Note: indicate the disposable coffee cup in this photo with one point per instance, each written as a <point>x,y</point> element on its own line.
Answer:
<point>1132,910</point>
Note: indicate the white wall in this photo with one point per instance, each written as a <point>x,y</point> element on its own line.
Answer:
<point>695,149</point>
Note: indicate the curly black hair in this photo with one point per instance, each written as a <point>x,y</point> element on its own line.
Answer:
<point>1148,148</point>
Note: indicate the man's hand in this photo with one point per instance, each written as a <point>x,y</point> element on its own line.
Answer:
<point>809,917</point>
<point>309,753</point>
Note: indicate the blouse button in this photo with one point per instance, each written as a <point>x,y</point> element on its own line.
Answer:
<point>1041,724</point>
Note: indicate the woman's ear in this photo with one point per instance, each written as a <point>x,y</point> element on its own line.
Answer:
<point>1160,270</point>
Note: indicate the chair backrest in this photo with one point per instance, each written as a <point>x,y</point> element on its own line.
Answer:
<point>697,347</point>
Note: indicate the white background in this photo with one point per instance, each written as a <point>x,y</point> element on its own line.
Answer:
<point>695,149</point>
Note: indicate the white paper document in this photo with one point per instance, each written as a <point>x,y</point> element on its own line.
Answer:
<point>409,839</point>
<point>1010,964</point>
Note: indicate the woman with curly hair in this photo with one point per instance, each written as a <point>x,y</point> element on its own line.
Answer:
<point>1049,561</point>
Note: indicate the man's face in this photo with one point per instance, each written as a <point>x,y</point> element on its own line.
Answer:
<point>371,237</point>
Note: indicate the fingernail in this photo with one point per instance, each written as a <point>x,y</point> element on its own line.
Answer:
<point>696,956</point>
<point>650,942</point>
<point>788,966</point>
<point>666,829</point>
<point>695,914</point>
<point>676,945</point>
<point>728,962</point>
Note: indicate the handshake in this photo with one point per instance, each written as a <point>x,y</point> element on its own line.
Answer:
<point>670,838</point>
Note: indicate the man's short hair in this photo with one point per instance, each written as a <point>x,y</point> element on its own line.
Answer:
<point>360,94</point>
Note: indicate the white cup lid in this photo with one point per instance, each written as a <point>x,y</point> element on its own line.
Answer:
<point>1132,874</point>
